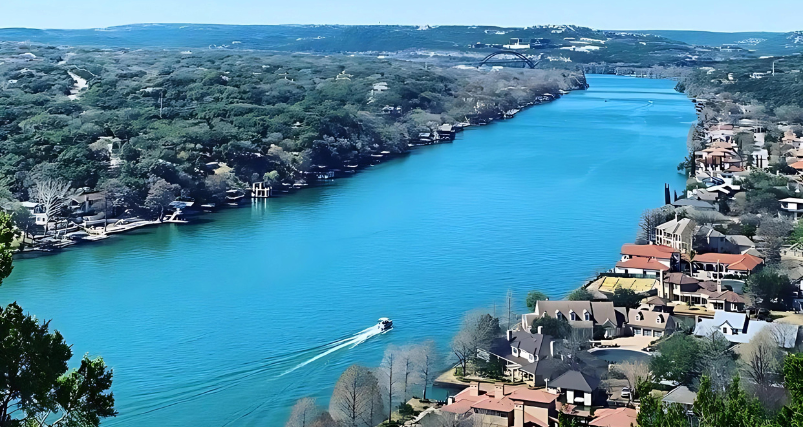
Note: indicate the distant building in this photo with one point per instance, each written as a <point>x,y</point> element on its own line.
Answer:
<point>498,405</point>
<point>677,234</point>
<point>651,323</point>
<point>581,314</point>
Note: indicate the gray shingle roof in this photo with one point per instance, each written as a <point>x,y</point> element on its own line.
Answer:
<point>575,380</point>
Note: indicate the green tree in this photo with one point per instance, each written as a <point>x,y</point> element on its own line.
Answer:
<point>653,413</point>
<point>36,386</point>
<point>767,285</point>
<point>557,328</point>
<point>580,294</point>
<point>626,298</point>
<point>533,297</point>
<point>676,359</point>
<point>6,237</point>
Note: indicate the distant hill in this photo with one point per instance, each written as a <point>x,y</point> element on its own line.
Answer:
<point>764,43</point>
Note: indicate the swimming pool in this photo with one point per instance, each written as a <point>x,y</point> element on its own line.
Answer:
<point>618,355</point>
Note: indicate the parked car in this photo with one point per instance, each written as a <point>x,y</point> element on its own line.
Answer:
<point>625,392</point>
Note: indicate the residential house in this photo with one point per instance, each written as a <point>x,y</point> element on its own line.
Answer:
<point>714,266</point>
<point>498,405</point>
<point>525,356</point>
<point>738,328</point>
<point>651,323</point>
<point>85,203</point>
<point>792,207</point>
<point>581,314</point>
<point>638,266</point>
<point>614,417</point>
<point>711,295</point>
<point>682,396</point>
<point>579,388</point>
<point>37,212</point>
<point>693,203</point>
<point>677,234</point>
<point>666,255</point>
<point>740,244</point>
<point>707,239</point>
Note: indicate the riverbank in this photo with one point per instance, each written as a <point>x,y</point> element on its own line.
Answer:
<point>237,302</point>
<point>318,176</point>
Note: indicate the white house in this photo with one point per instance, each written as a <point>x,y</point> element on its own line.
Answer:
<point>792,207</point>
<point>37,211</point>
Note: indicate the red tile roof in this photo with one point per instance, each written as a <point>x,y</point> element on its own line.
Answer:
<point>649,251</point>
<point>642,263</point>
<point>797,165</point>
<point>621,417</point>
<point>743,262</point>
<point>539,396</point>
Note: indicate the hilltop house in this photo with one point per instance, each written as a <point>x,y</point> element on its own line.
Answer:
<point>581,314</point>
<point>792,208</point>
<point>677,234</point>
<point>714,266</point>
<point>651,323</point>
<point>498,405</point>
<point>711,295</point>
<point>37,212</point>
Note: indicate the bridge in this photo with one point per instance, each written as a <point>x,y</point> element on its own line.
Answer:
<point>509,58</point>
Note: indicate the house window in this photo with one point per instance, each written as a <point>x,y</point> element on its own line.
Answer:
<point>639,316</point>
<point>558,314</point>
<point>573,315</point>
<point>636,331</point>
<point>514,351</point>
<point>587,316</point>
<point>658,319</point>
<point>724,330</point>
<point>659,333</point>
<point>531,358</point>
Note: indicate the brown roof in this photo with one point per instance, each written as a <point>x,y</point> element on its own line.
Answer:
<point>656,300</point>
<point>539,396</point>
<point>465,402</point>
<point>649,251</point>
<point>797,165</point>
<point>620,417</point>
<point>741,262</point>
<point>642,263</point>
<point>680,279</point>
<point>649,319</point>
<point>728,296</point>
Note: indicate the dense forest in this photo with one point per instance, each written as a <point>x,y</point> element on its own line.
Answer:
<point>142,118</point>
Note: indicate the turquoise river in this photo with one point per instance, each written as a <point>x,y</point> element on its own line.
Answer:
<point>230,319</point>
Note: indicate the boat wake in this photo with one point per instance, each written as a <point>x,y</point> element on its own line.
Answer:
<point>353,341</point>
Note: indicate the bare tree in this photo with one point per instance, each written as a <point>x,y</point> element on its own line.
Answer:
<point>324,420</point>
<point>426,357</point>
<point>785,334</point>
<point>761,359</point>
<point>478,332</point>
<point>304,413</point>
<point>354,397</point>
<point>774,231</point>
<point>389,375</point>
<point>716,360</point>
<point>406,359</point>
<point>650,219</point>
<point>53,195</point>
<point>448,419</point>
<point>633,372</point>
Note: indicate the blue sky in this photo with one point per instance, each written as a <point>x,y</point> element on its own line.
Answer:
<point>712,15</point>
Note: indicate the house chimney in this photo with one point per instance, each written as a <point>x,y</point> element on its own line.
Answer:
<point>509,335</point>
<point>474,389</point>
<point>540,330</point>
<point>518,415</point>
<point>552,348</point>
<point>499,391</point>
<point>719,285</point>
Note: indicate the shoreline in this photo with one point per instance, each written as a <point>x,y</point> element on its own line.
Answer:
<point>503,116</point>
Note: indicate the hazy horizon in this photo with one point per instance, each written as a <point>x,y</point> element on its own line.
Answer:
<point>687,15</point>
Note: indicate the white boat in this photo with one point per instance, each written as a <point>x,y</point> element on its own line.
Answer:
<point>385,324</point>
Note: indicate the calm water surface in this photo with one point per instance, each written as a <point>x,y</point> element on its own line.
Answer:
<point>211,324</point>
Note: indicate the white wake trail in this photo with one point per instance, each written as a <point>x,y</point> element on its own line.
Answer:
<point>353,341</point>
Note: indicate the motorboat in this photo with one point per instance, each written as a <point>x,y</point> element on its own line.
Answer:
<point>385,324</point>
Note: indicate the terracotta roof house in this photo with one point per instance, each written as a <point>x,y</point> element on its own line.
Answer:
<point>651,323</point>
<point>497,405</point>
<point>580,314</point>
<point>677,233</point>
<point>650,267</point>
<point>610,417</point>
<point>666,255</point>
<point>525,356</point>
<point>713,266</point>
<point>579,388</point>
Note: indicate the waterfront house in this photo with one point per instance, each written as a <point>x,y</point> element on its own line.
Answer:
<point>677,234</point>
<point>647,267</point>
<point>649,323</point>
<point>614,417</point>
<point>578,388</point>
<point>740,244</point>
<point>738,328</point>
<point>666,255</point>
<point>37,212</point>
<point>711,295</point>
<point>500,405</point>
<point>525,355</point>
<point>792,208</point>
<point>714,266</point>
<point>85,203</point>
<point>581,314</point>
<point>707,239</point>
